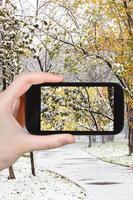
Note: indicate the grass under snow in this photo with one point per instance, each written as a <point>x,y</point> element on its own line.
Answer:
<point>113,152</point>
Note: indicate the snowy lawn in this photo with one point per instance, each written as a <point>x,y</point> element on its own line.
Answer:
<point>113,152</point>
<point>46,185</point>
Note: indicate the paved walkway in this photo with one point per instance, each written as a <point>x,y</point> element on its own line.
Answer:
<point>102,181</point>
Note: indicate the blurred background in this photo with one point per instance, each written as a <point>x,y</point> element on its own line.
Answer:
<point>84,41</point>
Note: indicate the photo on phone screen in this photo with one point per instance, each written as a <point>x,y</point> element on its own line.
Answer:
<point>77,109</point>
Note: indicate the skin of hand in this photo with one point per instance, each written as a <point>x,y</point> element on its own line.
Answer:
<point>14,139</point>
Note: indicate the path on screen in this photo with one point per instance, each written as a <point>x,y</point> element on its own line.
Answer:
<point>101,180</point>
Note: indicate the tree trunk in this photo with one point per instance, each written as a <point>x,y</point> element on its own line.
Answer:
<point>31,153</point>
<point>111,101</point>
<point>103,139</point>
<point>130,124</point>
<point>90,141</point>
<point>32,164</point>
<point>129,106</point>
<point>11,173</point>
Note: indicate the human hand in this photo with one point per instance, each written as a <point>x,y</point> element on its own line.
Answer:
<point>14,140</point>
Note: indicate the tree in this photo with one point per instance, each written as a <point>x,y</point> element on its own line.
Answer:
<point>16,36</point>
<point>101,36</point>
<point>89,40</point>
<point>17,33</point>
<point>75,109</point>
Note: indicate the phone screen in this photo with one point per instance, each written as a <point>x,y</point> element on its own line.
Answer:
<point>71,108</point>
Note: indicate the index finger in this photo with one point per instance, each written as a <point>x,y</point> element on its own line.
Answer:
<point>24,81</point>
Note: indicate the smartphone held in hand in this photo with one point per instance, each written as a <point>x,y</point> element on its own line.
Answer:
<point>76,108</point>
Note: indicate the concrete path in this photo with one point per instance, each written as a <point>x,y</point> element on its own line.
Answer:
<point>102,181</point>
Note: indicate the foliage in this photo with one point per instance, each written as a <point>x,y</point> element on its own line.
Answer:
<point>76,108</point>
<point>91,40</point>
<point>84,36</point>
<point>15,38</point>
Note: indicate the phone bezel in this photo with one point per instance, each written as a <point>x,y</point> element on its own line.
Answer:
<point>33,108</point>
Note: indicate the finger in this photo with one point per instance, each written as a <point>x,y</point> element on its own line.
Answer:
<point>36,143</point>
<point>24,81</point>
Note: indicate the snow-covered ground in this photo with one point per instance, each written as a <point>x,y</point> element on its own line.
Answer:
<point>113,152</point>
<point>101,180</point>
<point>46,185</point>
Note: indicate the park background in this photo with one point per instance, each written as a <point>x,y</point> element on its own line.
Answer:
<point>84,41</point>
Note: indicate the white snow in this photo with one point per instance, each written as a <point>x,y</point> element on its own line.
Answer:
<point>113,152</point>
<point>46,185</point>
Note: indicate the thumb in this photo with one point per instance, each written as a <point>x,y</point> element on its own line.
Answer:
<point>48,142</point>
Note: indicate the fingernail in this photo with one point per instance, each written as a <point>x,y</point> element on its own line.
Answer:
<point>69,140</point>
